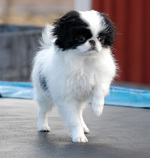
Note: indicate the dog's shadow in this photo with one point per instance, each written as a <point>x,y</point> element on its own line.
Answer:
<point>48,145</point>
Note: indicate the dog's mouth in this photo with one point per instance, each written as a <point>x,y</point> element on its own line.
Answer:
<point>92,48</point>
<point>91,51</point>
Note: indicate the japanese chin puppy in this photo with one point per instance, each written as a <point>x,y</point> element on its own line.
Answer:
<point>74,64</point>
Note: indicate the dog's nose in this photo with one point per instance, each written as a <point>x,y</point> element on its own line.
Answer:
<point>92,42</point>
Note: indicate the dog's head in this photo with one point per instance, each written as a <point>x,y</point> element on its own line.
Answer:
<point>87,32</point>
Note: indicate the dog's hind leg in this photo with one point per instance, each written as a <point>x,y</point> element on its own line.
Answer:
<point>44,107</point>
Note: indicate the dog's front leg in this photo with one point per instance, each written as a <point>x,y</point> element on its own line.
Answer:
<point>98,101</point>
<point>70,111</point>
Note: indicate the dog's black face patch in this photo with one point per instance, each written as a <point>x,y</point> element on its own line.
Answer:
<point>106,36</point>
<point>71,31</point>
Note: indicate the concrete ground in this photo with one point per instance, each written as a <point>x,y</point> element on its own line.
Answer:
<point>119,133</point>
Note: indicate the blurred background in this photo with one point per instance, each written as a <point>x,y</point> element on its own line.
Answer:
<point>21,22</point>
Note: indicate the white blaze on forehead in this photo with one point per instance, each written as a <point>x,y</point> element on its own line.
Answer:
<point>94,20</point>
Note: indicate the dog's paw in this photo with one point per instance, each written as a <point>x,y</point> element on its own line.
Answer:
<point>44,129</point>
<point>97,106</point>
<point>82,139</point>
<point>98,110</point>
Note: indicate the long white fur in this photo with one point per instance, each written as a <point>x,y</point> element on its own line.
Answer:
<point>72,78</point>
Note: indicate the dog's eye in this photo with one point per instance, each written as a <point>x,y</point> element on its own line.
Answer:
<point>101,39</point>
<point>81,39</point>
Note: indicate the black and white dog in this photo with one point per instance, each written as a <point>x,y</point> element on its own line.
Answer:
<point>74,64</point>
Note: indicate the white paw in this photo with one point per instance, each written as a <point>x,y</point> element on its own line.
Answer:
<point>44,128</point>
<point>98,110</point>
<point>97,106</point>
<point>82,139</point>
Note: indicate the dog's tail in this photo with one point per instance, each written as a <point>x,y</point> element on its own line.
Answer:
<point>47,38</point>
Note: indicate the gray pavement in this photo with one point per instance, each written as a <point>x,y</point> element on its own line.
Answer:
<point>119,133</point>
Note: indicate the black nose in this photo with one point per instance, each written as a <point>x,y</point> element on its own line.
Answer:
<point>92,42</point>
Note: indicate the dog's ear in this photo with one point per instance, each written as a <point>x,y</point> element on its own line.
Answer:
<point>65,22</point>
<point>64,28</point>
<point>109,31</point>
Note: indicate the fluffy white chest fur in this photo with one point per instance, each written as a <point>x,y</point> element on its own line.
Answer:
<point>69,77</point>
<point>73,75</point>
